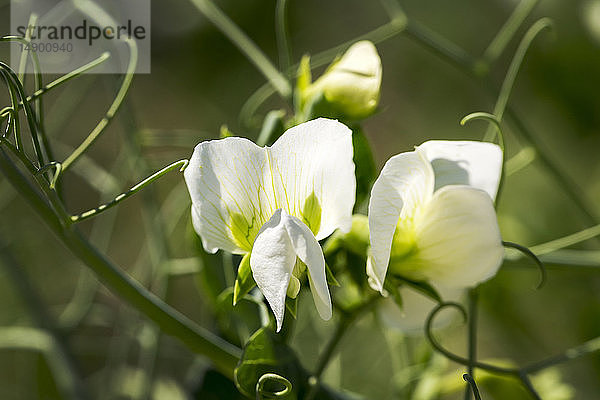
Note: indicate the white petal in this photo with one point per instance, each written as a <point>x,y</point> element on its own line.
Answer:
<point>316,157</point>
<point>416,307</point>
<point>477,164</point>
<point>224,177</point>
<point>272,262</point>
<point>309,252</point>
<point>458,238</point>
<point>404,185</point>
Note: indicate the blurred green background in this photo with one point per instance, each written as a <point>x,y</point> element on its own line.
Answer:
<point>200,81</point>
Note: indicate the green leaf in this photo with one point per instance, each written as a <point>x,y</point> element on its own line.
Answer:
<point>237,323</point>
<point>292,306</point>
<point>265,352</point>
<point>244,282</point>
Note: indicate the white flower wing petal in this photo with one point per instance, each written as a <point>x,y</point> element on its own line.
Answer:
<point>316,157</point>
<point>224,177</point>
<point>272,262</point>
<point>477,164</point>
<point>309,252</point>
<point>404,185</point>
<point>458,237</point>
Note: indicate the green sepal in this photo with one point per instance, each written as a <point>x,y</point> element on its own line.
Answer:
<point>265,352</point>
<point>224,132</point>
<point>422,287</point>
<point>330,277</point>
<point>392,289</point>
<point>244,282</point>
<point>292,306</point>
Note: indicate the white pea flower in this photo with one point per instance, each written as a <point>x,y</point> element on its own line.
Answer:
<point>276,203</point>
<point>351,85</point>
<point>432,217</point>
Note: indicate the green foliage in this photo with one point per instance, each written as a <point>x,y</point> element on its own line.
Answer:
<point>266,353</point>
<point>366,172</point>
<point>244,282</point>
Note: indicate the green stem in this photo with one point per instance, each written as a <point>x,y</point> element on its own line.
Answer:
<point>181,164</point>
<point>245,45</point>
<point>223,354</point>
<point>473,296</point>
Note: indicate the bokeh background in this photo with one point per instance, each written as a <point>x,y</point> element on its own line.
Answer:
<point>199,82</point>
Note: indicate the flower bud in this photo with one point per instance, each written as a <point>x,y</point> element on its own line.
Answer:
<point>349,89</point>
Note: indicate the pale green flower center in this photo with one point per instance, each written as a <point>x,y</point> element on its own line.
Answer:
<point>244,229</point>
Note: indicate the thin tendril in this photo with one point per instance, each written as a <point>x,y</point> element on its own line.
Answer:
<point>57,170</point>
<point>495,121</point>
<point>491,118</point>
<point>63,79</point>
<point>181,164</point>
<point>513,69</point>
<point>13,123</point>
<point>29,113</point>
<point>469,379</point>
<point>262,393</point>
<point>524,250</point>
<point>114,107</point>
<point>508,30</point>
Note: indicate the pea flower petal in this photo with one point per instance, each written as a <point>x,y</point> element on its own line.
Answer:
<point>427,224</point>
<point>276,203</point>
<point>405,183</point>
<point>476,164</point>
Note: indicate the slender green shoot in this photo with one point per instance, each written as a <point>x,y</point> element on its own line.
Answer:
<point>63,79</point>
<point>181,164</point>
<point>513,70</point>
